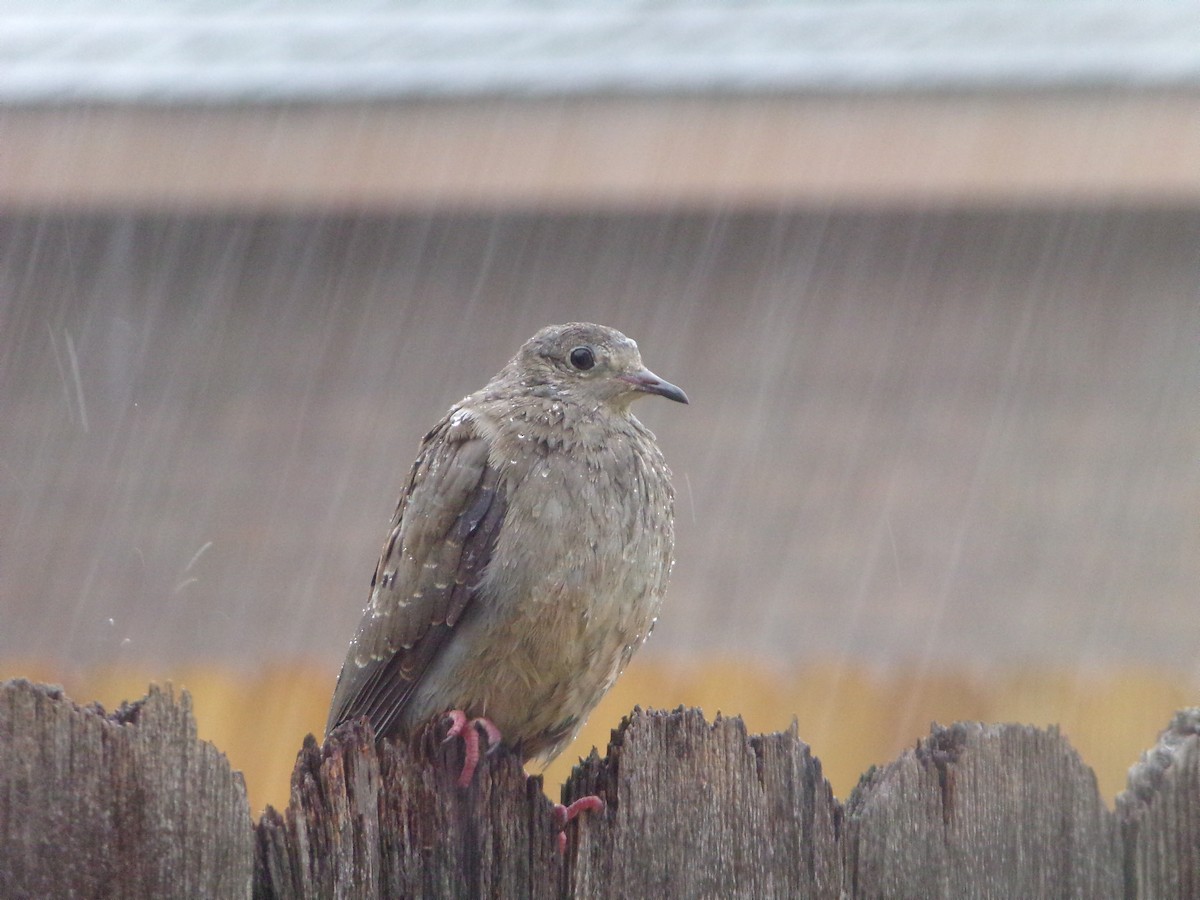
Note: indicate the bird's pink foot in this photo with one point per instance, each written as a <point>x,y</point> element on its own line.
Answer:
<point>468,730</point>
<point>564,814</point>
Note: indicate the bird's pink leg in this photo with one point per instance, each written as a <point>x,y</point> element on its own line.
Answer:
<point>468,729</point>
<point>564,814</point>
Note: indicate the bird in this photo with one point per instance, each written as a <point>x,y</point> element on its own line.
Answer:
<point>527,558</point>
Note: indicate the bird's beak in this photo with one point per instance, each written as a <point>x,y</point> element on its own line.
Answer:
<point>649,383</point>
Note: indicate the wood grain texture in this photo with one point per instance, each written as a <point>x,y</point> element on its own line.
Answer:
<point>1160,815</point>
<point>131,805</point>
<point>982,811</point>
<point>128,804</point>
<point>703,810</point>
<point>365,822</point>
<point>694,809</point>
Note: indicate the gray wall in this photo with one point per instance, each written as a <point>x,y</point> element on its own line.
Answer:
<point>913,435</point>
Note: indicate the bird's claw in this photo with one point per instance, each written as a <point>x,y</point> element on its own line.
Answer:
<point>468,730</point>
<point>564,814</point>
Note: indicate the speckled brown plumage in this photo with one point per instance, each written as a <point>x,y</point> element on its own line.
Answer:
<point>529,553</point>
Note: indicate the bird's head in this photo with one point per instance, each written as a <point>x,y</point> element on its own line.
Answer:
<point>590,364</point>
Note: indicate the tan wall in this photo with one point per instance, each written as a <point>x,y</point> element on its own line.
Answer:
<point>663,153</point>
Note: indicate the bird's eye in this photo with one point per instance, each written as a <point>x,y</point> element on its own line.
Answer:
<point>582,358</point>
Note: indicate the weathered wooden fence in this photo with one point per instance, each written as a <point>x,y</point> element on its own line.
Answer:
<point>133,805</point>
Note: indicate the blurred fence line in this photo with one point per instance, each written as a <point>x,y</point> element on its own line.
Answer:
<point>133,804</point>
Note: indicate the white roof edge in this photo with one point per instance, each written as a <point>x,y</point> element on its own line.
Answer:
<point>269,51</point>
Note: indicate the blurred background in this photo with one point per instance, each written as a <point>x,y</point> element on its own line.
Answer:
<point>929,271</point>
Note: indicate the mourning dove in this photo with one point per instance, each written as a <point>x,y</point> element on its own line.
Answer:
<point>528,555</point>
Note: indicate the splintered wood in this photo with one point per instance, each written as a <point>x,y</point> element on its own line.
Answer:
<point>133,804</point>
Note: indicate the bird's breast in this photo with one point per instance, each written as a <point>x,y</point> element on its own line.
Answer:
<point>572,588</point>
<point>590,514</point>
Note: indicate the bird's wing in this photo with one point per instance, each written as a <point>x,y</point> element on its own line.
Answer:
<point>442,537</point>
